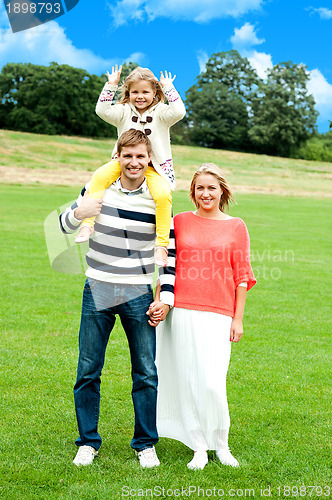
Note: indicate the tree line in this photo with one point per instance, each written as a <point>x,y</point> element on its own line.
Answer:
<point>228,107</point>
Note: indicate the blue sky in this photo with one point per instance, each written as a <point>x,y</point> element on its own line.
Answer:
<point>180,35</point>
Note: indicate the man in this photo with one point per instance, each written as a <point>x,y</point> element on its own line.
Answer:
<point>119,277</point>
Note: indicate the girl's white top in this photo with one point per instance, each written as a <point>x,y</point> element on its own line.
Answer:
<point>156,122</point>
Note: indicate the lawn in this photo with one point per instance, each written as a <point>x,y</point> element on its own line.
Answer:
<point>67,160</point>
<point>279,381</point>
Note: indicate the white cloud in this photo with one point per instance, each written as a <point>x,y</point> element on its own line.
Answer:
<point>49,42</point>
<point>321,89</point>
<point>202,58</point>
<point>323,12</point>
<point>245,37</point>
<point>243,40</point>
<point>261,62</point>
<point>125,11</point>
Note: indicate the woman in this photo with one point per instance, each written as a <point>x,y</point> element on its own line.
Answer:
<point>213,274</point>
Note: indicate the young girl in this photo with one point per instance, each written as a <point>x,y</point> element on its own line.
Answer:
<point>142,107</point>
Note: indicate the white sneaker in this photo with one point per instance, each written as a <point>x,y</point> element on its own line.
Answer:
<point>85,455</point>
<point>226,458</point>
<point>199,461</point>
<point>148,457</point>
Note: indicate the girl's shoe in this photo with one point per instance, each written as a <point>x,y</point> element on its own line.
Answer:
<point>84,234</point>
<point>199,461</point>
<point>160,256</point>
<point>226,458</point>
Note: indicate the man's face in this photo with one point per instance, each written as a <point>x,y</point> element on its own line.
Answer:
<point>134,161</point>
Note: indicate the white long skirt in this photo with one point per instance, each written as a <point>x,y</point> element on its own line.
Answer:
<point>193,351</point>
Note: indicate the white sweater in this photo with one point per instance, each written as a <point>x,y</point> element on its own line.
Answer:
<point>158,119</point>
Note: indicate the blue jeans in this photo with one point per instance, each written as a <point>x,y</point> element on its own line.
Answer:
<point>101,302</point>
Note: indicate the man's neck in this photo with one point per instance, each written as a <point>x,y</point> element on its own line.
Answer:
<point>130,185</point>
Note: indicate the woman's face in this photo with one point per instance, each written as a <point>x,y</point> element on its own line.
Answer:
<point>207,192</point>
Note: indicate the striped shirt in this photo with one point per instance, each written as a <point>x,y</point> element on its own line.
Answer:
<point>121,249</point>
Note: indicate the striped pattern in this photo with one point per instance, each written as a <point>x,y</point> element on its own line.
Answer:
<point>121,249</point>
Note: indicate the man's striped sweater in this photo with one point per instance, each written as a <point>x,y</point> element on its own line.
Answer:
<point>121,249</point>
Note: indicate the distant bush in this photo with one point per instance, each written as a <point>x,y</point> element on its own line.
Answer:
<point>318,148</point>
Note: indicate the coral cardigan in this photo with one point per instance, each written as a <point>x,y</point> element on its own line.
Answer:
<point>155,122</point>
<point>212,259</point>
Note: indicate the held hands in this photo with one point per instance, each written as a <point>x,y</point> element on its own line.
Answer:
<point>89,207</point>
<point>157,312</point>
<point>236,330</point>
<point>167,79</point>
<point>114,77</point>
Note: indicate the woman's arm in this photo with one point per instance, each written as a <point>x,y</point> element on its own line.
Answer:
<point>237,326</point>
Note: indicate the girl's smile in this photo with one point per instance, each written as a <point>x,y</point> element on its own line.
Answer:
<point>141,95</point>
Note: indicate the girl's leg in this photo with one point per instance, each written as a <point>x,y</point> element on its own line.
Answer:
<point>101,180</point>
<point>161,193</point>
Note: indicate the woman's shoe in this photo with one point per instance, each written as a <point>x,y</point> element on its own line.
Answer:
<point>199,461</point>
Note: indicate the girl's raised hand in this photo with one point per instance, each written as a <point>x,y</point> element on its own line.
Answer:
<point>114,77</point>
<point>167,79</point>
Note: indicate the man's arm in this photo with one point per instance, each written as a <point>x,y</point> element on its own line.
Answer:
<point>164,297</point>
<point>167,274</point>
<point>83,207</point>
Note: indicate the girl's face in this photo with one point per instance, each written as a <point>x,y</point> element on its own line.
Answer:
<point>141,95</point>
<point>207,192</point>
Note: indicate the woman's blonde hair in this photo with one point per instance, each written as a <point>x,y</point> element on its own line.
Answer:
<point>212,169</point>
<point>141,74</point>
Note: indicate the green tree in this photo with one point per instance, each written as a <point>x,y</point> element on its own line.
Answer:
<point>284,115</point>
<point>55,99</point>
<point>219,104</point>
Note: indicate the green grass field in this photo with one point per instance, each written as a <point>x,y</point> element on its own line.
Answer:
<point>279,381</point>
<point>70,160</point>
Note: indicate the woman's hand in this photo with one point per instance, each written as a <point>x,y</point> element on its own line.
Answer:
<point>157,312</point>
<point>167,79</point>
<point>114,77</point>
<point>236,330</point>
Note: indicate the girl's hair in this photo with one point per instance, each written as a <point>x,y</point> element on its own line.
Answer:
<point>141,74</point>
<point>212,169</point>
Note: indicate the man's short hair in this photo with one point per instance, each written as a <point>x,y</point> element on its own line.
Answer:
<point>133,137</point>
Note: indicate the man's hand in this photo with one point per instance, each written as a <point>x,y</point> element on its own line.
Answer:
<point>157,312</point>
<point>167,79</point>
<point>89,207</point>
<point>114,77</point>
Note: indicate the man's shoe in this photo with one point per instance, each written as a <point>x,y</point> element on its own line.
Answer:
<point>85,455</point>
<point>226,458</point>
<point>199,461</point>
<point>148,457</point>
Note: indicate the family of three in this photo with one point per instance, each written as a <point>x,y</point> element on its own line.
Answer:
<point>179,340</point>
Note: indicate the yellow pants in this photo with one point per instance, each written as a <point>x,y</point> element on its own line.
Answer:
<point>158,187</point>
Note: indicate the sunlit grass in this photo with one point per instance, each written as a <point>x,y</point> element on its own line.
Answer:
<point>278,384</point>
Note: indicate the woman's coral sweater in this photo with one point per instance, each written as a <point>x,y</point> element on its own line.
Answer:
<point>212,259</point>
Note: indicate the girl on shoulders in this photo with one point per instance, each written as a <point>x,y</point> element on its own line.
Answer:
<point>142,107</point>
